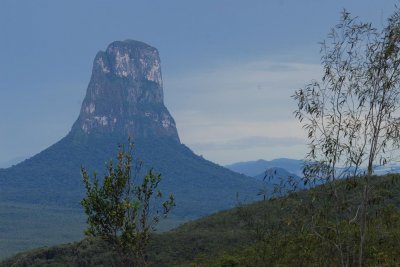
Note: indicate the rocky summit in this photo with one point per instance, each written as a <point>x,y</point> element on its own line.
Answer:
<point>125,94</point>
<point>124,99</point>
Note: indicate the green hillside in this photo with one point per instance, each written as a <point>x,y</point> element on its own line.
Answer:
<point>51,181</point>
<point>276,232</point>
<point>52,177</point>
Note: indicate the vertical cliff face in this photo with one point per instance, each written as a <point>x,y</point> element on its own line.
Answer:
<point>125,95</point>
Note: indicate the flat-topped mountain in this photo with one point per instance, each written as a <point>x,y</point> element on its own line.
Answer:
<point>124,98</point>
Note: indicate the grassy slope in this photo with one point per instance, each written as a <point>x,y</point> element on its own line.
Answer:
<point>223,239</point>
<point>24,227</point>
<point>45,190</point>
<point>206,236</point>
<point>21,226</point>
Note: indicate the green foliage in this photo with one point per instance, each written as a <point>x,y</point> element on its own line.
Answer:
<point>294,240</point>
<point>226,238</point>
<point>52,180</point>
<point>352,123</point>
<point>120,209</point>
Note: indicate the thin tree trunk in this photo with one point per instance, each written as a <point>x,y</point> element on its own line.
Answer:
<point>363,224</point>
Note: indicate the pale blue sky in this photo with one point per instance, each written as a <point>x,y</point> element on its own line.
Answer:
<point>229,67</point>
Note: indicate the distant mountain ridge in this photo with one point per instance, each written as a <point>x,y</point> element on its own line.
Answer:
<point>294,167</point>
<point>257,167</point>
<point>278,176</point>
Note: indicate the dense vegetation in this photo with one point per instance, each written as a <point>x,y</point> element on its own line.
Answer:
<point>352,123</point>
<point>51,179</point>
<point>124,208</point>
<point>275,231</point>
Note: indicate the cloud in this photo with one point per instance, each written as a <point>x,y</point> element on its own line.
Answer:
<point>251,89</point>
<point>222,111</point>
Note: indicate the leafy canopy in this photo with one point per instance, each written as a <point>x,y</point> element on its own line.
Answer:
<point>122,208</point>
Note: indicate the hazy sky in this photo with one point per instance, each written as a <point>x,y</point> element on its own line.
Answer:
<point>229,67</point>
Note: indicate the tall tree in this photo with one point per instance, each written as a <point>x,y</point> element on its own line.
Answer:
<point>123,208</point>
<point>351,116</point>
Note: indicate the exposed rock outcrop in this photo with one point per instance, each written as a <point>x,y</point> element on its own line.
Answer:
<point>125,94</point>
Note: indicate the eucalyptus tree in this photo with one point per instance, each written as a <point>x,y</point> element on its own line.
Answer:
<point>351,115</point>
<point>123,209</point>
